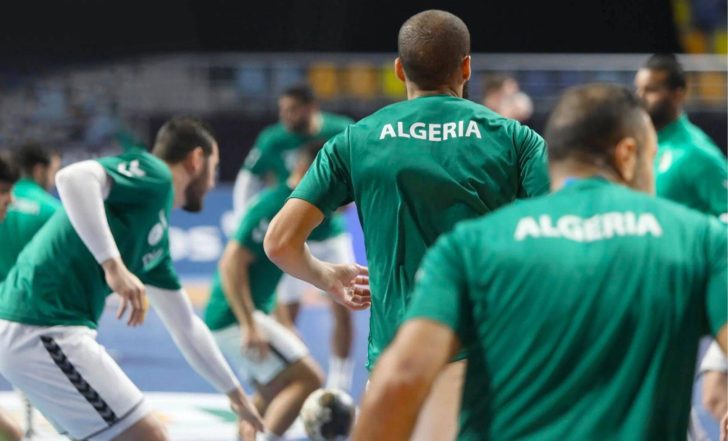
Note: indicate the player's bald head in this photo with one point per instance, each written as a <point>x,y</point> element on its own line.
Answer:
<point>588,121</point>
<point>432,45</point>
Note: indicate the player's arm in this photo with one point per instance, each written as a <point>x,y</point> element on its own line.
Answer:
<point>437,321</point>
<point>325,187</point>
<point>285,245</point>
<point>197,345</point>
<point>234,275</point>
<point>83,187</point>
<point>402,380</point>
<point>532,163</point>
<point>247,186</point>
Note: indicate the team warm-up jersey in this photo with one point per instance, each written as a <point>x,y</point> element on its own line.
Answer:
<point>263,275</point>
<point>274,152</point>
<point>691,169</point>
<point>582,311</point>
<point>415,169</point>
<point>31,208</point>
<point>56,280</point>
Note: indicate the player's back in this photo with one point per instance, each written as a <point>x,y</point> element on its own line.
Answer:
<point>417,168</point>
<point>587,308</point>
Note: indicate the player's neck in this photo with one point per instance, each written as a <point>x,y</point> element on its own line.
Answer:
<point>567,170</point>
<point>415,92</point>
<point>180,180</point>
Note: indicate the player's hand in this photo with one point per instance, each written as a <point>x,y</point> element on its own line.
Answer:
<point>129,288</point>
<point>250,419</point>
<point>348,284</point>
<point>256,341</point>
<point>724,428</point>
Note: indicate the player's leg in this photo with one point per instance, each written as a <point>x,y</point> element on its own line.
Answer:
<point>9,428</point>
<point>339,249</point>
<point>438,419</point>
<point>283,379</point>
<point>74,382</point>
<point>286,393</point>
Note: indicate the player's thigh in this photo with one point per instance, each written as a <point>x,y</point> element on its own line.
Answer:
<point>285,348</point>
<point>438,419</point>
<point>73,381</point>
<point>9,428</point>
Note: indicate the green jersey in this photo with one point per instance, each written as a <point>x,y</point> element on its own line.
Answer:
<point>691,169</point>
<point>274,152</point>
<point>56,280</point>
<point>415,169</point>
<point>32,206</point>
<point>263,275</point>
<point>582,313</point>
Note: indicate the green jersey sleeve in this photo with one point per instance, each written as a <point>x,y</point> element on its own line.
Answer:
<point>441,289</point>
<point>717,292</point>
<point>163,275</point>
<point>137,178</point>
<point>532,163</point>
<point>327,184</point>
<point>252,228</point>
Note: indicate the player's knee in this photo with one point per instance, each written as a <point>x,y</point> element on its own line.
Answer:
<point>311,374</point>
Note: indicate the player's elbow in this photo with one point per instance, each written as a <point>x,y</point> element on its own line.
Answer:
<point>275,244</point>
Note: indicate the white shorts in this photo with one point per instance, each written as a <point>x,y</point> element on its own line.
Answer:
<point>285,349</point>
<point>70,379</point>
<point>714,360</point>
<point>338,249</point>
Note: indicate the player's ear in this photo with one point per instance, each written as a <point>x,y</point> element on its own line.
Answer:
<point>399,69</point>
<point>195,160</point>
<point>625,158</point>
<point>466,68</point>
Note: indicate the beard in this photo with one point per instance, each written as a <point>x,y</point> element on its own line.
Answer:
<point>195,192</point>
<point>661,114</point>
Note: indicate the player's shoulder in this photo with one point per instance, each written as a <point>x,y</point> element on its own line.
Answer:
<point>337,119</point>
<point>272,133</point>
<point>269,201</point>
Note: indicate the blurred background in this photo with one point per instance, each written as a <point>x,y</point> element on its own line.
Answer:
<point>88,78</point>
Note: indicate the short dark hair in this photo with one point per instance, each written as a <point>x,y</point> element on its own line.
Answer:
<point>589,120</point>
<point>31,154</point>
<point>9,172</point>
<point>431,46</point>
<point>309,150</point>
<point>668,63</point>
<point>179,136</point>
<point>301,93</point>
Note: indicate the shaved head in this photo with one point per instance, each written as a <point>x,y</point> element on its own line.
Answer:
<point>432,45</point>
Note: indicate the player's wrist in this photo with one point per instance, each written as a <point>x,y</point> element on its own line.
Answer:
<point>113,265</point>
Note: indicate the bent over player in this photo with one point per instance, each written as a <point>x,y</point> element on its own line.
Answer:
<point>264,351</point>
<point>414,169</point>
<point>110,236</point>
<point>582,322</point>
